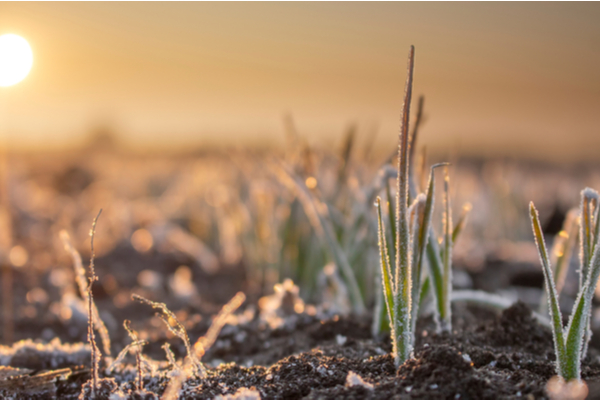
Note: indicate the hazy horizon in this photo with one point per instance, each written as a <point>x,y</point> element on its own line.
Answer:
<point>498,78</point>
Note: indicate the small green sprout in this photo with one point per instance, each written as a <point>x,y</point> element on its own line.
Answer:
<point>570,343</point>
<point>402,285</point>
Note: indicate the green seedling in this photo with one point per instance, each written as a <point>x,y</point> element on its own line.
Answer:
<point>570,343</point>
<point>320,217</point>
<point>402,284</point>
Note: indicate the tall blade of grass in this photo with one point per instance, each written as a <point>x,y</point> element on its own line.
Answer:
<point>597,227</point>
<point>389,289</point>
<point>381,317</point>
<point>434,263</point>
<point>589,205</point>
<point>578,327</point>
<point>563,248</point>
<point>345,153</point>
<point>589,202</point>
<point>462,221</point>
<point>417,222</point>
<point>412,145</point>
<point>422,234</point>
<point>555,315</point>
<point>403,271</point>
<point>425,288</point>
<point>390,205</point>
<point>446,320</point>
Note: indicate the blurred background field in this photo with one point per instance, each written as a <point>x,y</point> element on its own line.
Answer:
<point>224,142</point>
<point>191,229</point>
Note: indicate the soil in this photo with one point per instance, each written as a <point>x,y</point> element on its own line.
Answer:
<point>488,356</point>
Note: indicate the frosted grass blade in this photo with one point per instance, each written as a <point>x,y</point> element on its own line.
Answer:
<point>446,320</point>
<point>403,304</point>
<point>555,315</point>
<point>387,278</point>
<point>589,202</point>
<point>422,239</point>
<point>462,221</point>
<point>417,221</point>
<point>560,255</point>
<point>578,327</point>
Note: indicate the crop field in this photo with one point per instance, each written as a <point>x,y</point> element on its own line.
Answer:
<point>287,241</point>
<point>166,235</point>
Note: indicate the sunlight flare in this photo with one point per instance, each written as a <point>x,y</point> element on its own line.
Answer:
<point>16,59</point>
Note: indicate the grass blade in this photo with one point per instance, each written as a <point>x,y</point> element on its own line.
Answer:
<point>560,255</point>
<point>563,249</point>
<point>446,320</point>
<point>462,221</point>
<point>403,271</point>
<point>412,145</point>
<point>419,221</point>
<point>425,288</point>
<point>589,202</point>
<point>578,327</point>
<point>386,275</point>
<point>422,239</point>
<point>555,315</point>
<point>435,272</point>
<point>390,205</point>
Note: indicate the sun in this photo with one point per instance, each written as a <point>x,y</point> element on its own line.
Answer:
<point>16,59</point>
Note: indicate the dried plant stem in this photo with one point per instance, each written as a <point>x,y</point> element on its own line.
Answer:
<point>177,328</point>
<point>91,337</point>
<point>82,284</point>
<point>206,341</point>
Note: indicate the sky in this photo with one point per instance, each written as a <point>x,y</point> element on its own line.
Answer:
<point>517,79</point>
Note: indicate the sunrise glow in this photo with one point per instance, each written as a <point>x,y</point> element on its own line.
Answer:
<point>16,59</point>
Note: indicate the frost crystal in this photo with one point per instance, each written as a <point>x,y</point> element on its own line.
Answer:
<point>353,379</point>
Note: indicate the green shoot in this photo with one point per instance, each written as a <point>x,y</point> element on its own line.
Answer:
<point>560,255</point>
<point>570,344</point>
<point>320,218</point>
<point>447,256</point>
<point>462,221</point>
<point>588,236</point>
<point>402,284</point>
<point>440,260</point>
<point>403,277</point>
